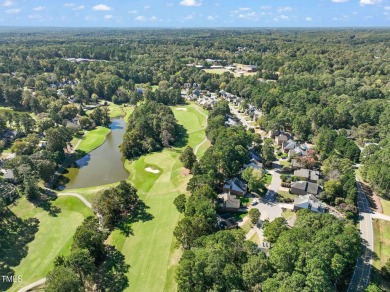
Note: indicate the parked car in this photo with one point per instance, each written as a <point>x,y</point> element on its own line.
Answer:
<point>254,203</point>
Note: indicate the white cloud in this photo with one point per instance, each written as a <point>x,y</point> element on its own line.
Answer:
<point>7,3</point>
<point>307,18</point>
<point>102,7</point>
<point>81,7</point>
<point>284,17</point>
<point>248,16</point>
<point>265,7</point>
<point>39,8</point>
<point>211,17</point>
<point>190,3</point>
<point>370,2</point>
<point>133,11</point>
<point>146,19</point>
<point>285,9</point>
<point>108,16</point>
<point>244,9</point>
<point>69,5</point>
<point>386,8</point>
<point>146,6</point>
<point>339,1</point>
<point>140,18</point>
<point>13,11</point>
<point>35,16</point>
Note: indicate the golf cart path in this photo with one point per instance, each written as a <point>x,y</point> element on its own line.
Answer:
<point>33,285</point>
<point>84,200</point>
<point>200,144</point>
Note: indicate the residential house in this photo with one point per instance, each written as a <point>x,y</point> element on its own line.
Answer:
<point>229,203</point>
<point>235,186</point>
<point>308,202</point>
<point>8,175</point>
<point>254,155</point>
<point>280,139</point>
<point>226,223</point>
<point>296,164</point>
<point>303,188</point>
<point>307,174</point>
<point>255,164</point>
<point>289,145</point>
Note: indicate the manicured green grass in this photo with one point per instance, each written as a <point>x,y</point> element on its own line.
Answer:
<point>119,110</point>
<point>53,238</point>
<point>149,250</point>
<point>287,195</point>
<point>284,162</point>
<point>381,250</point>
<point>93,139</point>
<point>267,178</point>
<point>246,226</point>
<point>255,238</point>
<point>287,214</point>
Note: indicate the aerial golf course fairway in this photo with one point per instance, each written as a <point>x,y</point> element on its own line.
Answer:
<point>54,236</point>
<point>151,251</point>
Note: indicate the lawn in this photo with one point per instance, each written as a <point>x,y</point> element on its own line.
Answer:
<point>93,139</point>
<point>287,214</point>
<point>246,226</point>
<point>255,238</point>
<point>385,206</point>
<point>119,110</point>
<point>381,251</point>
<point>267,178</point>
<point>53,238</point>
<point>151,250</point>
<point>287,195</point>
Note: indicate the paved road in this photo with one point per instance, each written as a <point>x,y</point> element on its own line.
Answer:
<point>361,275</point>
<point>381,216</point>
<point>241,117</point>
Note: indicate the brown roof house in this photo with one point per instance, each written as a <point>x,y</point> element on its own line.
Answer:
<point>229,203</point>
<point>281,139</point>
<point>235,186</point>
<point>303,188</point>
<point>307,174</point>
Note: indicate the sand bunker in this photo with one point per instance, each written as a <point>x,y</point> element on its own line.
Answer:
<point>181,109</point>
<point>149,169</point>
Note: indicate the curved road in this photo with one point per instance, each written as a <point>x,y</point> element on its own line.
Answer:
<point>361,275</point>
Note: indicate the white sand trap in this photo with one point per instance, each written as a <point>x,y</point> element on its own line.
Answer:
<point>182,109</point>
<point>149,169</point>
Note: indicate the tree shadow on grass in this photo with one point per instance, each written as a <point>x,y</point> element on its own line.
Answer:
<point>44,201</point>
<point>139,214</point>
<point>15,234</point>
<point>182,137</point>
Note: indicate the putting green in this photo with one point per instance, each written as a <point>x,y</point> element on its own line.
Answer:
<point>53,238</point>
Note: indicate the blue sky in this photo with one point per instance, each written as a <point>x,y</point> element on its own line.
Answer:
<point>195,13</point>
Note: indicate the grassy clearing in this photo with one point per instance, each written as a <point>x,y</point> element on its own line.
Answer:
<point>93,139</point>
<point>53,238</point>
<point>288,214</point>
<point>119,110</point>
<point>381,250</point>
<point>287,195</point>
<point>255,238</point>
<point>246,226</point>
<point>385,206</point>
<point>283,162</point>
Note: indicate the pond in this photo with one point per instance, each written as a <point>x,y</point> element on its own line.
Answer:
<point>104,165</point>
